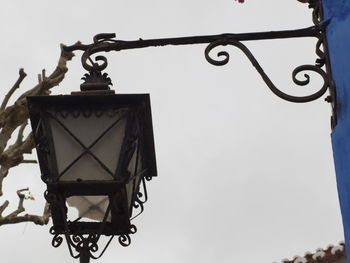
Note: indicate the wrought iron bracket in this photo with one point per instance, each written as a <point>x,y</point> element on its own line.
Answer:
<point>105,42</point>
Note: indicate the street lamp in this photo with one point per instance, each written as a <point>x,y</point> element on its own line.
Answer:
<point>95,151</point>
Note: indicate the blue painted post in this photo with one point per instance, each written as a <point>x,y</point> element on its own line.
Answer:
<point>338,37</point>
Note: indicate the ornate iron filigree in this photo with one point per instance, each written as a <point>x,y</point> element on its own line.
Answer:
<point>85,246</point>
<point>57,239</point>
<point>95,80</point>
<point>125,239</point>
<point>318,19</point>
<point>269,83</point>
<point>316,7</point>
<point>140,199</point>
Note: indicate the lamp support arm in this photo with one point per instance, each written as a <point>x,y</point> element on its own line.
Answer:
<point>105,41</point>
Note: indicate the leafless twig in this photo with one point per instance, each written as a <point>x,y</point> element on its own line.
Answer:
<point>16,115</point>
<point>21,77</point>
<point>14,217</point>
<point>3,207</point>
<point>13,117</point>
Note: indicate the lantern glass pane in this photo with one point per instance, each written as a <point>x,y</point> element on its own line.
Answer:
<point>88,147</point>
<point>91,208</point>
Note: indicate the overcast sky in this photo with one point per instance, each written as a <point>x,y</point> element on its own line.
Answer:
<point>243,175</point>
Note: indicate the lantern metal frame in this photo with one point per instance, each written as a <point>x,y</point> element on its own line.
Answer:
<point>135,108</point>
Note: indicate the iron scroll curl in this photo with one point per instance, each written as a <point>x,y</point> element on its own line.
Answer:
<point>223,58</point>
<point>98,40</point>
<point>125,239</point>
<point>57,239</point>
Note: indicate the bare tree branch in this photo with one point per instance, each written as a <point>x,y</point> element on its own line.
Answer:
<point>14,218</point>
<point>20,132</point>
<point>20,207</point>
<point>38,220</point>
<point>47,212</point>
<point>16,115</point>
<point>21,77</point>
<point>43,74</point>
<point>3,207</point>
<point>3,173</point>
<point>13,156</point>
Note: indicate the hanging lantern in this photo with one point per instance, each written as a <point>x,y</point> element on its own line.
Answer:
<point>95,151</point>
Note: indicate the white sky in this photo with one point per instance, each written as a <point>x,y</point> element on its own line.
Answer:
<point>243,175</point>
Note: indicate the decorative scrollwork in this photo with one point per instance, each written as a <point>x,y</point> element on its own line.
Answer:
<point>95,80</point>
<point>77,241</point>
<point>148,178</point>
<point>142,194</point>
<point>141,198</point>
<point>52,231</point>
<point>86,245</point>
<point>92,242</point>
<point>225,57</point>
<point>316,12</point>
<point>83,245</point>
<point>76,112</point>
<point>133,229</point>
<point>138,204</point>
<point>57,239</point>
<point>320,62</point>
<point>125,239</point>
<point>316,6</point>
<point>98,39</point>
<point>106,43</point>
<point>305,82</point>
